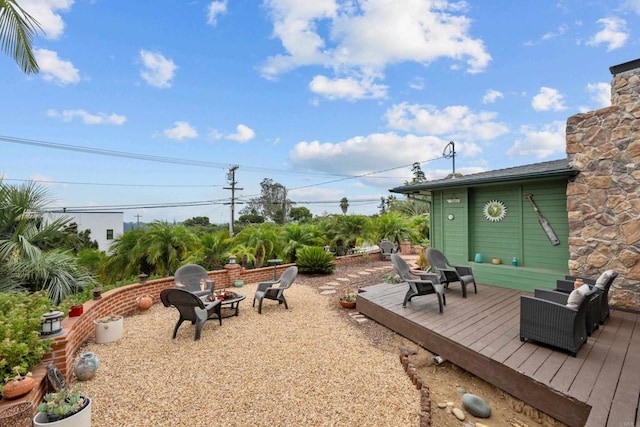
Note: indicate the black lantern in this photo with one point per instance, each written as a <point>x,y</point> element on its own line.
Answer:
<point>51,323</point>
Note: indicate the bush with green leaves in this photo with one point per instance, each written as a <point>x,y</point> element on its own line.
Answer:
<point>20,323</point>
<point>315,260</point>
<point>391,278</point>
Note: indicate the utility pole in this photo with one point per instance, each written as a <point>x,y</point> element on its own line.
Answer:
<point>138,218</point>
<point>231,177</point>
<point>450,153</point>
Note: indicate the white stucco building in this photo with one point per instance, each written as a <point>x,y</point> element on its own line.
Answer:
<point>104,226</point>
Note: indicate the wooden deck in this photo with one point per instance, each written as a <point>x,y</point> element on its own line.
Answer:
<point>600,387</point>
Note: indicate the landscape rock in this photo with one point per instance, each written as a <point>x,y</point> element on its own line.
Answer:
<point>476,406</point>
<point>457,412</point>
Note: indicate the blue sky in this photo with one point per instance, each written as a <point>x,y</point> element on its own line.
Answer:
<point>149,103</point>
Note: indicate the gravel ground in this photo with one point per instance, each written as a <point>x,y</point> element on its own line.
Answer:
<point>309,365</point>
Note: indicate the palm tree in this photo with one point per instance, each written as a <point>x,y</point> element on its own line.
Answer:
<point>264,240</point>
<point>391,226</point>
<point>212,251</point>
<point>28,257</point>
<point>348,232</point>
<point>127,258</point>
<point>296,236</point>
<point>17,29</point>
<point>344,205</point>
<point>167,246</point>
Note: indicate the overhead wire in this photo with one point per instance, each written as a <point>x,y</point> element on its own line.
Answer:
<point>183,162</point>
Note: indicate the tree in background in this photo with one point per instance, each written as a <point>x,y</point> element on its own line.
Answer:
<point>418,175</point>
<point>391,226</point>
<point>348,232</point>
<point>167,246</point>
<point>17,29</point>
<point>263,239</point>
<point>296,236</point>
<point>272,204</point>
<point>344,205</point>
<point>300,214</point>
<point>212,252</point>
<point>387,204</point>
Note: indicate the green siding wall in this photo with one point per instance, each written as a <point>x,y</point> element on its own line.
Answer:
<point>518,235</point>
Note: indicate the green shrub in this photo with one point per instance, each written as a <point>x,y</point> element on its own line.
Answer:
<point>315,260</point>
<point>20,323</point>
<point>391,278</point>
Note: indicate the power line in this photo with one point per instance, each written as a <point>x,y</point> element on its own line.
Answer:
<point>146,157</point>
<point>43,181</point>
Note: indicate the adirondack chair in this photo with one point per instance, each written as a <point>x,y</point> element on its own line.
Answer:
<point>427,283</point>
<point>274,290</point>
<point>387,248</point>
<point>451,273</point>
<point>191,308</point>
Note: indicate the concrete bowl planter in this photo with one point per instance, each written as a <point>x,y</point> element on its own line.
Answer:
<point>109,329</point>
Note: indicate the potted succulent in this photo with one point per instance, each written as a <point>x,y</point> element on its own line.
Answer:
<point>17,385</point>
<point>348,300</point>
<point>66,408</point>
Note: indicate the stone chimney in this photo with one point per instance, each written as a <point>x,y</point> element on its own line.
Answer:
<point>603,201</point>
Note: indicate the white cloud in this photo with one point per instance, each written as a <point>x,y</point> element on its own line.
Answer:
<point>543,142</point>
<point>88,118</point>
<point>456,121</point>
<point>614,34</point>
<point>600,93</point>
<point>215,8</point>
<point>548,99</point>
<point>491,96</point>
<point>347,88</point>
<point>54,69</point>
<point>181,130</point>
<point>158,71</point>
<point>363,154</point>
<point>634,5</point>
<point>243,134</point>
<point>44,11</point>
<point>366,37</point>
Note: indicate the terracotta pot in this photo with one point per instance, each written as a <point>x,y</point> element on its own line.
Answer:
<point>144,302</point>
<point>17,388</point>
<point>348,304</point>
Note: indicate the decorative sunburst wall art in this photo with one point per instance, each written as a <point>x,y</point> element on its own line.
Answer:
<point>494,210</point>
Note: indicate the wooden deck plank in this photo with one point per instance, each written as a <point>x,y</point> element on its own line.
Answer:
<point>565,376</point>
<point>624,408</point>
<point>605,387</point>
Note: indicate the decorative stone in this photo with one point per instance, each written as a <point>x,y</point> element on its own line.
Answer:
<point>442,405</point>
<point>476,406</point>
<point>461,390</point>
<point>457,412</point>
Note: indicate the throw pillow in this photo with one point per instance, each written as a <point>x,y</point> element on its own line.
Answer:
<point>604,278</point>
<point>576,296</point>
<point>574,299</point>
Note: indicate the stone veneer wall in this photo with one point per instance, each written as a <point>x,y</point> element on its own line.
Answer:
<point>603,202</point>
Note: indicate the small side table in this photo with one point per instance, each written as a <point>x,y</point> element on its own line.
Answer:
<point>275,262</point>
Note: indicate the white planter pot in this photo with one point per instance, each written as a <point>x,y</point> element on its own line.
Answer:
<point>109,331</point>
<point>79,419</point>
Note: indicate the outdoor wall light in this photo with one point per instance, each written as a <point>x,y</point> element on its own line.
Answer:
<point>232,259</point>
<point>51,323</point>
<point>451,217</point>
